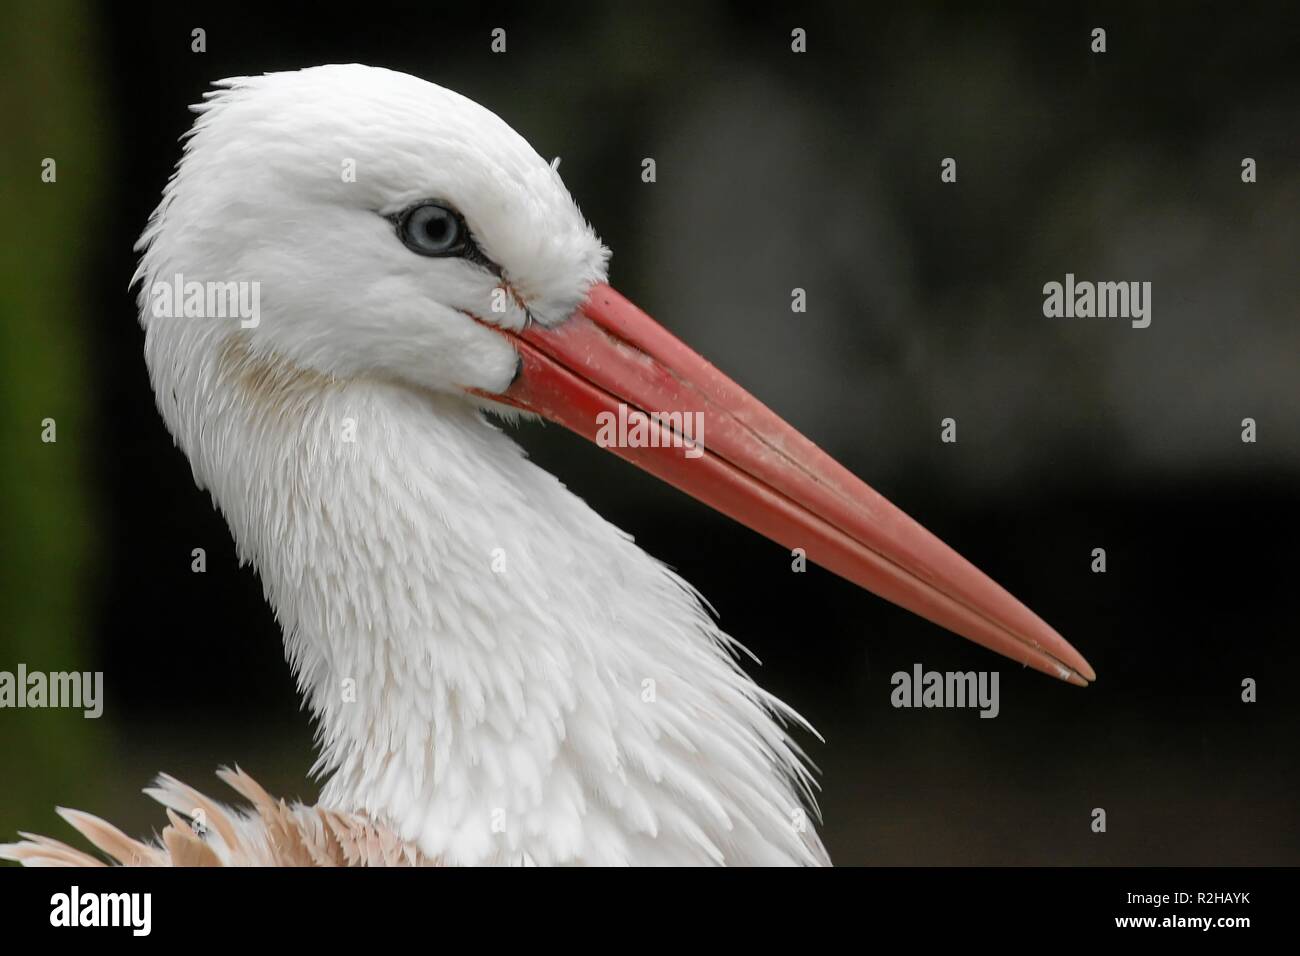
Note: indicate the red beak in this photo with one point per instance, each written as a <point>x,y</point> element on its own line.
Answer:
<point>693,427</point>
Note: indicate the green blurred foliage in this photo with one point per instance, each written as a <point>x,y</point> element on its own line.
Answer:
<point>47,110</point>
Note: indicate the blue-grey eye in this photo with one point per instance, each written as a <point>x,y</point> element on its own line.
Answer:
<point>431,229</point>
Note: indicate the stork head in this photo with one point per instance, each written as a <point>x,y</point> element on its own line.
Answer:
<point>396,230</point>
<point>385,220</point>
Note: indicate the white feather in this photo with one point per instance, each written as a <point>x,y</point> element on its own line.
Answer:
<point>498,716</point>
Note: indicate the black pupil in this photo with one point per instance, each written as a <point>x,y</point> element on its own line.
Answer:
<point>434,228</point>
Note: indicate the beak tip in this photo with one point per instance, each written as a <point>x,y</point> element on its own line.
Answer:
<point>1081,675</point>
<point>1080,666</point>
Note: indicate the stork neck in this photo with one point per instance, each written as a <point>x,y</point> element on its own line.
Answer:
<point>497,673</point>
<point>426,576</point>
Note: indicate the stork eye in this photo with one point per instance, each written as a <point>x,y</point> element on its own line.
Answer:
<point>431,229</point>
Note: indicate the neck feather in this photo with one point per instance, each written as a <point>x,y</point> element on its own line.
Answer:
<point>496,672</point>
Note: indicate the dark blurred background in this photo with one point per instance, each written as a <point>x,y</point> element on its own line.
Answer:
<point>775,170</point>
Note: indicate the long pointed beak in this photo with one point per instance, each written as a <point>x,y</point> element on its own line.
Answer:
<point>685,422</point>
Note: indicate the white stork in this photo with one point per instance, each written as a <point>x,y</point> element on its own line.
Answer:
<point>474,642</point>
